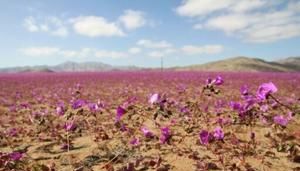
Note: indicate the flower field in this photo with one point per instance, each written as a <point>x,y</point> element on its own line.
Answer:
<point>134,121</point>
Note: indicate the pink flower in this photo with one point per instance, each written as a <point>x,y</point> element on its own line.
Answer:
<point>70,126</point>
<point>280,120</point>
<point>205,137</point>
<point>15,156</point>
<point>120,112</point>
<point>155,98</point>
<point>265,89</point>
<point>135,141</point>
<point>147,132</point>
<point>165,135</point>
<point>218,133</point>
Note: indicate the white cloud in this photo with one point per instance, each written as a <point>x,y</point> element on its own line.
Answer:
<point>30,24</point>
<point>193,8</point>
<point>248,5</point>
<point>155,45</point>
<point>81,53</point>
<point>258,21</point>
<point>134,50</point>
<point>198,8</point>
<point>52,25</point>
<point>132,19</point>
<point>110,54</point>
<point>198,50</point>
<point>40,51</point>
<point>162,53</point>
<point>229,23</point>
<point>95,26</point>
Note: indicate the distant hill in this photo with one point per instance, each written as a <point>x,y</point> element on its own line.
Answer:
<point>291,62</point>
<point>247,64</point>
<point>69,67</point>
<point>242,64</point>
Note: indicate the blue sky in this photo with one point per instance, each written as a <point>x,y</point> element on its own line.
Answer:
<point>139,32</point>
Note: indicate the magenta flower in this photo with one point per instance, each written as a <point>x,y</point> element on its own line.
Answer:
<point>15,156</point>
<point>135,141</point>
<point>235,105</point>
<point>147,132</point>
<point>265,89</point>
<point>165,135</point>
<point>218,81</point>
<point>209,81</point>
<point>218,133</point>
<point>70,126</point>
<point>264,108</point>
<point>205,137</point>
<point>120,112</point>
<point>60,109</point>
<point>155,98</point>
<point>244,90</point>
<point>78,104</point>
<point>280,120</point>
<point>93,107</point>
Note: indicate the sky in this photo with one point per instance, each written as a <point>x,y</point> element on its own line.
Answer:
<point>140,32</point>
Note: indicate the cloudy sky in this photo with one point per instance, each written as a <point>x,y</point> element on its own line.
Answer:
<point>139,32</point>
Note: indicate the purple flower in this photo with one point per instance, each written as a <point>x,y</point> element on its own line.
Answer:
<point>244,90</point>
<point>264,108</point>
<point>60,109</point>
<point>265,89</point>
<point>120,112</point>
<point>165,135</point>
<point>70,126</point>
<point>235,105</point>
<point>155,98</point>
<point>147,132</point>
<point>218,133</point>
<point>205,137</point>
<point>78,104</point>
<point>135,141</point>
<point>15,156</point>
<point>209,81</point>
<point>93,107</point>
<point>280,120</point>
<point>218,81</point>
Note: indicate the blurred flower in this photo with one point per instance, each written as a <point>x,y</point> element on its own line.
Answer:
<point>218,81</point>
<point>93,107</point>
<point>264,108</point>
<point>235,105</point>
<point>155,98</point>
<point>280,120</point>
<point>147,132</point>
<point>70,126</point>
<point>265,89</point>
<point>208,81</point>
<point>15,156</point>
<point>120,112</point>
<point>244,90</point>
<point>60,109</point>
<point>218,133</point>
<point>205,137</point>
<point>78,104</point>
<point>135,141</point>
<point>165,135</point>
